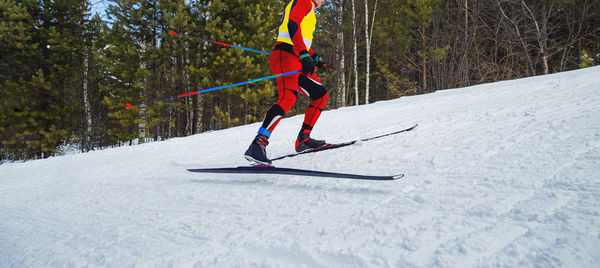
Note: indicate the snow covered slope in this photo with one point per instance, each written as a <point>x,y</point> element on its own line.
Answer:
<point>502,174</point>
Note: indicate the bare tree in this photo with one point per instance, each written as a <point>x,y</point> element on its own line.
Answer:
<point>86,100</point>
<point>340,54</point>
<point>578,26</point>
<point>466,51</point>
<point>520,38</point>
<point>368,39</point>
<point>541,33</point>
<point>355,53</point>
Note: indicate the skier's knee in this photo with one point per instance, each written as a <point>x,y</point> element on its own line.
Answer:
<point>321,101</point>
<point>318,93</point>
<point>286,102</point>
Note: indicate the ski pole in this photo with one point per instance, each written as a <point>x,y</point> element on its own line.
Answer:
<point>128,105</point>
<point>219,43</point>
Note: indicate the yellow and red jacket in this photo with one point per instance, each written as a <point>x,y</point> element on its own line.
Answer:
<point>297,27</point>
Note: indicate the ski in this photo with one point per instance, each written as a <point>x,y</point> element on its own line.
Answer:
<point>266,169</point>
<point>343,144</point>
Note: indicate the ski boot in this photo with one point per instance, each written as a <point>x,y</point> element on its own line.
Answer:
<point>257,152</point>
<point>305,143</point>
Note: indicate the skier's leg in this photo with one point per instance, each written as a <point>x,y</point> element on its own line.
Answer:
<point>287,89</point>
<point>286,100</point>
<point>311,86</point>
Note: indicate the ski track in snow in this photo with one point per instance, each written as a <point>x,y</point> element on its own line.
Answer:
<point>502,174</point>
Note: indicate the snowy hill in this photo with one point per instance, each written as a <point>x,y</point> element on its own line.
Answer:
<point>502,174</point>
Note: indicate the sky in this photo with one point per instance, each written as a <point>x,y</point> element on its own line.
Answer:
<point>99,7</point>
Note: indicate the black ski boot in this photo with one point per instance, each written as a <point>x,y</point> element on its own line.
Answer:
<point>257,152</point>
<point>306,143</point>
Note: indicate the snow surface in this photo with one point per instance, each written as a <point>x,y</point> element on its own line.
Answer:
<point>502,174</point>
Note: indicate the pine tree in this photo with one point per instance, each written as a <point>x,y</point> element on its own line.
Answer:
<point>133,55</point>
<point>392,34</point>
<point>18,51</point>
<point>586,60</point>
<point>41,78</point>
<point>97,122</point>
<point>420,13</point>
<point>63,65</point>
<point>177,16</point>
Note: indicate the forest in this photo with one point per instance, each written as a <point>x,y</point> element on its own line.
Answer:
<point>67,72</point>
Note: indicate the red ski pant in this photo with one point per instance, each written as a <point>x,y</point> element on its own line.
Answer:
<point>287,91</point>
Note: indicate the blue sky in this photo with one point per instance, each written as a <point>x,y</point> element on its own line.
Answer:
<point>99,7</point>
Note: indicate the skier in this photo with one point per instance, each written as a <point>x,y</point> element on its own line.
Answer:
<point>293,52</point>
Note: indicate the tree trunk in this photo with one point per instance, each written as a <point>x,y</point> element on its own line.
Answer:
<point>86,104</point>
<point>355,54</point>
<point>368,39</point>
<point>542,35</point>
<point>340,55</point>
<point>86,100</point>
<point>466,44</point>
<point>424,61</point>
<point>368,45</point>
